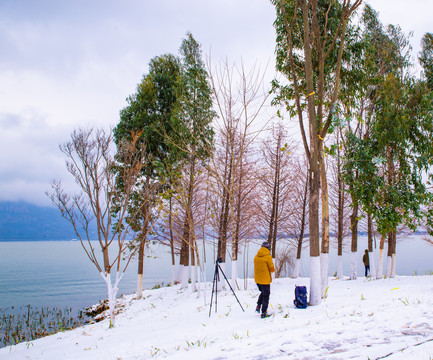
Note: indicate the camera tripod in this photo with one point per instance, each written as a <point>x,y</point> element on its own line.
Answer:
<point>216,278</point>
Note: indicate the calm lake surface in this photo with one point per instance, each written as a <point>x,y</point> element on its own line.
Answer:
<point>58,273</point>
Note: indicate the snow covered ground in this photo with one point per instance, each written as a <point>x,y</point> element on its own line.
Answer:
<point>359,319</point>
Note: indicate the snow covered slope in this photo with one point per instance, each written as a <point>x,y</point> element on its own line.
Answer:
<point>359,319</point>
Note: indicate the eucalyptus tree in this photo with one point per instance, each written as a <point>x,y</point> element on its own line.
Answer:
<point>396,152</point>
<point>371,56</point>
<point>310,44</point>
<point>150,114</point>
<point>426,59</point>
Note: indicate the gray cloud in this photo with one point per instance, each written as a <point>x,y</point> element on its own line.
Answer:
<point>66,64</point>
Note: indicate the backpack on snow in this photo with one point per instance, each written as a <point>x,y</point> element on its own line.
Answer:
<point>300,301</point>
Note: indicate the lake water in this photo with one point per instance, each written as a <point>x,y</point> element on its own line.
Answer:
<point>58,273</point>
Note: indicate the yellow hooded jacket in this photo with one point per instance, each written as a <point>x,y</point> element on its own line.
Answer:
<point>263,267</point>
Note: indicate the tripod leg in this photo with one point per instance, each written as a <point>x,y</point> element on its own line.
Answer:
<point>217,278</point>
<point>214,283</point>
<point>231,288</point>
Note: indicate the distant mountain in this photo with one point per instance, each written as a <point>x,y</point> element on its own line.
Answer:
<point>26,222</point>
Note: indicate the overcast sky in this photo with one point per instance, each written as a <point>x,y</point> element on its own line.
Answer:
<point>71,63</point>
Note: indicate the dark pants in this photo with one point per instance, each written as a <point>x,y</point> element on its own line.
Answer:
<point>367,269</point>
<point>265,292</point>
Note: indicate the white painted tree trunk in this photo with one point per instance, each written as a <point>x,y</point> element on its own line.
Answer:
<point>296,268</point>
<point>372,264</point>
<point>388,266</point>
<point>234,278</point>
<point>180,273</point>
<point>199,281</point>
<point>380,266</point>
<point>193,279</point>
<point>324,269</point>
<point>315,280</point>
<point>112,290</point>
<point>173,275</point>
<point>183,276</point>
<point>139,293</point>
<point>353,265</point>
<point>340,273</point>
<point>393,265</point>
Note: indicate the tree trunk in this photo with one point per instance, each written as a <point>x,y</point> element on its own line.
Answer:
<point>112,290</point>
<point>380,266</point>
<point>143,238</point>
<point>273,227</point>
<point>340,273</point>
<point>188,232</point>
<point>225,207</point>
<point>370,246</point>
<point>392,237</point>
<point>139,292</point>
<point>354,245</point>
<point>340,219</point>
<point>170,226</point>
<point>276,218</point>
<point>224,219</point>
<point>315,277</point>
<point>235,241</point>
<point>183,264</point>
<point>302,229</point>
<point>324,258</point>
<point>106,258</point>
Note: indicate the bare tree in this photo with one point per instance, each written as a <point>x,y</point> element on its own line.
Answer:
<point>99,203</point>
<point>310,44</point>
<point>240,101</point>
<point>297,223</point>
<point>276,184</point>
<point>339,203</point>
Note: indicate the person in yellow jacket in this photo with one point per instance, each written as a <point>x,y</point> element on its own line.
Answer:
<point>263,267</point>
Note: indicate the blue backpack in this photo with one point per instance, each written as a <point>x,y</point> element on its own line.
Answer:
<point>301,301</point>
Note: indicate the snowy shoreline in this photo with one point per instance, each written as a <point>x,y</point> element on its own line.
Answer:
<point>359,319</point>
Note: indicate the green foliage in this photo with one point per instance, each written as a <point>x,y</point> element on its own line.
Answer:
<point>29,323</point>
<point>426,58</point>
<point>384,164</point>
<point>289,26</point>
<point>170,113</point>
<point>150,113</point>
<point>194,107</point>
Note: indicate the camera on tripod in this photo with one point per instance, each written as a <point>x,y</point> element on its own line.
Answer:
<point>216,278</point>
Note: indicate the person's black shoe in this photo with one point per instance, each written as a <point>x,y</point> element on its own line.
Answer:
<point>265,315</point>
<point>258,309</point>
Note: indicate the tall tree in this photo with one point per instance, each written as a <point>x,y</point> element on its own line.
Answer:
<point>397,151</point>
<point>339,199</point>
<point>99,201</point>
<point>150,113</point>
<point>240,101</point>
<point>310,44</point>
<point>276,183</point>
<point>195,115</point>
